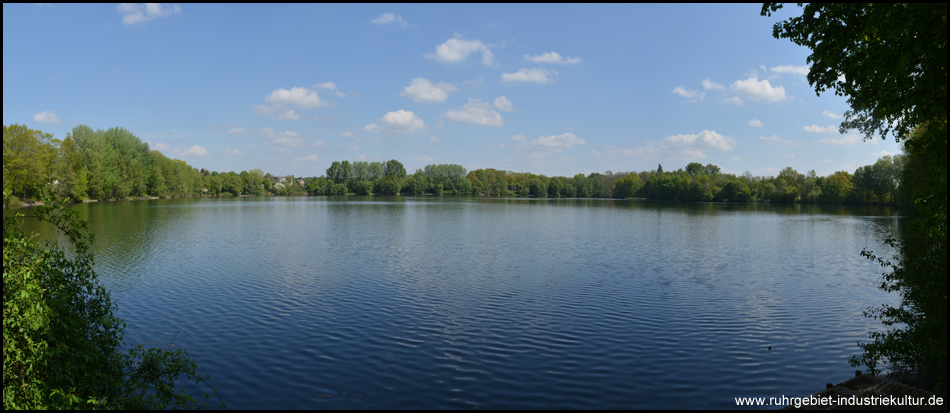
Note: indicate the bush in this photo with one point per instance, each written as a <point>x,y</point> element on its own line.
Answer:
<point>62,342</point>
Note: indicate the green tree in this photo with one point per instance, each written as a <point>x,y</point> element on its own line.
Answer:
<point>363,187</point>
<point>394,168</point>
<point>28,156</point>
<point>890,61</point>
<point>627,186</point>
<point>61,339</point>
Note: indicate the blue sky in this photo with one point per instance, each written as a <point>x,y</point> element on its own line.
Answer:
<point>551,89</point>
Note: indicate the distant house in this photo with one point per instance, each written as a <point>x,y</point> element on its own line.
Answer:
<point>301,182</point>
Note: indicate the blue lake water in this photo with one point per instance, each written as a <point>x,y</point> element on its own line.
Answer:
<point>325,302</point>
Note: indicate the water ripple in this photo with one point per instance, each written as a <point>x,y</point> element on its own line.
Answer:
<point>451,303</point>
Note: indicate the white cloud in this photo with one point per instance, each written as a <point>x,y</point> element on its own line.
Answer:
<point>195,151</point>
<point>235,131</point>
<point>423,159</point>
<point>310,158</point>
<point>735,100</point>
<point>331,87</point>
<point>735,158</point>
<point>137,13</point>
<point>781,141</point>
<point>755,89</point>
<point>706,138</point>
<point>503,104</point>
<point>683,146</point>
<point>518,138</point>
<point>692,95</point>
<point>710,85</point>
<point>319,144</point>
<point>47,116</point>
<point>477,112</point>
<point>552,57</point>
<point>233,153</point>
<point>846,140</point>
<point>284,140</point>
<point>755,122</point>
<point>347,134</point>
<point>789,156</point>
<point>820,129</point>
<point>435,139</point>
<point>562,141</point>
<point>387,18</point>
<point>798,70</point>
<point>546,145</point>
<point>160,146</point>
<point>298,96</point>
<point>397,123</point>
<point>831,115</point>
<point>455,50</point>
<point>288,115</point>
<point>538,75</point>
<point>280,101</point>
<point>422,90</point>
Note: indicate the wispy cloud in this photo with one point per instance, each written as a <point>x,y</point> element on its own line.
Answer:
<point>798,70</point>
<point>134,13</point>
<point>456,50</point>
<point>193,152</point>
<point>846,140</point>
<point>281,101</point>
<point>545,146</point>
<point>820,129</point>
<point>47,116</point>
<point>781,141</point>
<point>678,147</point>
<point>552,57</point>
<point>422,90</point>
<point>503,104</point>
<point>536,75</point>
<point>391,18</point>
<point>692,95</point>
<point>476,112</point>
<point>831,114</point>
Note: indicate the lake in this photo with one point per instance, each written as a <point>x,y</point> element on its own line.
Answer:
<point>457,302</point>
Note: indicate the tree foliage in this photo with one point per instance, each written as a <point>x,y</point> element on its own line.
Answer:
<point>890,61</point>
<point>62,342</point>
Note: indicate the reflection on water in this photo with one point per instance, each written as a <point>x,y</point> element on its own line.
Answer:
<point>429,302</point>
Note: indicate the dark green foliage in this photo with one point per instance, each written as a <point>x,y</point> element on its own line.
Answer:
<point>390,185</point>
<point>363,187</point>
<point>395,169</point>
<point>62,343</point>
<point>919,273</point>
<point>890,60</point>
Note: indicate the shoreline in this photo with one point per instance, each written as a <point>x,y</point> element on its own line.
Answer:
<point>869,392</point>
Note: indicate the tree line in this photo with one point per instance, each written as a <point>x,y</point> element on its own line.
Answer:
<point>115,164</point>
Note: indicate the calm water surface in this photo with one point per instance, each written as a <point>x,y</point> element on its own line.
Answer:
<point>495,303</point>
